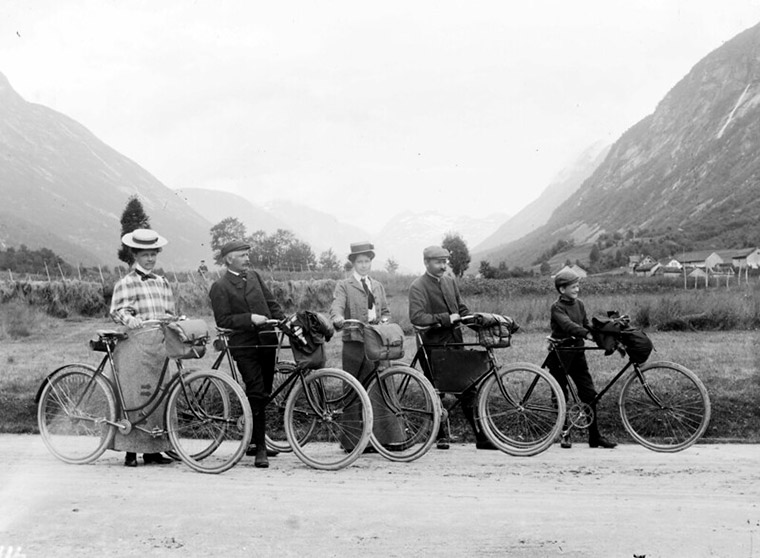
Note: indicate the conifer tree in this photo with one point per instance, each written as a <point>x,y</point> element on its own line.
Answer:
<point>133,217</point>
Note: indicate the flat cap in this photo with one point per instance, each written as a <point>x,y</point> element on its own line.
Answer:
<point>435,252</point>
<point>565,277</point>
<point>234,246</point>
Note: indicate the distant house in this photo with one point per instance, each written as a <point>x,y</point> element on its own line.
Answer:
<point>704,259</point>
<point>697,272</point>
<point>646,269</point>
<point>747,258</point>
<point>670,271</point>
<point>635,262</point>
<point>723,269</point>
<point>671,262</point>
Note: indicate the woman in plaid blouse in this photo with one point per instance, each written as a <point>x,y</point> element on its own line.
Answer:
<point>142,295</point>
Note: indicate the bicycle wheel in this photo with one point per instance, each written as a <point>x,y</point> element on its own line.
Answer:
<point>275,411</point>
<point>521,409</point>
<point>666,408</point>
<point>209,421</point>
<point>406,413</point>
<point>76,414</point>
<point>328,418</point>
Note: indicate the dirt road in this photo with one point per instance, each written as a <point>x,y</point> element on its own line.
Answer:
<point>581,502</point>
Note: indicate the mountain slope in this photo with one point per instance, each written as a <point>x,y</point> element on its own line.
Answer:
<point>321,230</point>
<point>63,188</point>
<point>408,233</point>
<point>538,212</point>
<point>688,171</point>
<point>216,205</point>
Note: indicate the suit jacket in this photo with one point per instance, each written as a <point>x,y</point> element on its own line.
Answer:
<point>350,302</point>
<point>234,298</point>
<point>431,302</point>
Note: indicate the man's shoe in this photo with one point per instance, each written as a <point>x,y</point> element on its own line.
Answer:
<point>261,459</point>
<point>156,459</point>
<point>130,460</point>
<point>602,442</point>
<point>565,442</point>
<point>251,452</point>
<point>485,445</point>
<point>442,444</point>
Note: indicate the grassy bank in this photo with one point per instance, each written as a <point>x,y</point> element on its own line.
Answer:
<point>656,305</point>
<point>726,361</point>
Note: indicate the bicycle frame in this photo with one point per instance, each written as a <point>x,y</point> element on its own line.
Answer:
<point>421,353</point>
<point>285,387</point>
<point>124,423</point>
<point>557,349</point>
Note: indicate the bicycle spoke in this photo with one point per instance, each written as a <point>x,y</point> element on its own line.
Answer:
<point>664,407</point>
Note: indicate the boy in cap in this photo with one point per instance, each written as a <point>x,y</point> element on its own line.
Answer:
<point>241,301</point>
<point>569,321</point>
<point>435,302</point>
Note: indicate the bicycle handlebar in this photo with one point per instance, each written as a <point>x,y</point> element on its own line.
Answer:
<point>462,321</point>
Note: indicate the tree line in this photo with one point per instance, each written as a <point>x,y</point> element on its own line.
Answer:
<point>278,251</point>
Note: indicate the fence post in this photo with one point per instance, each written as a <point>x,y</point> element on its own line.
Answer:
<point>47,271</point>
<point>61,272</point>
<point>10,273</point>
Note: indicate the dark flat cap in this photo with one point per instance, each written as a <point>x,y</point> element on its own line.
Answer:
<point>434,253</point>
<point>234,246</point>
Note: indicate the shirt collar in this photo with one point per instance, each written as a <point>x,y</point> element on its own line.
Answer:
<point>235,273</point>
<point>360,277</point>
<point>142,270</point>
<point>433,277</point>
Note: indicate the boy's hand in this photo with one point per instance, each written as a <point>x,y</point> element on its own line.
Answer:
<point>258,319</point>
<point>454,318</point>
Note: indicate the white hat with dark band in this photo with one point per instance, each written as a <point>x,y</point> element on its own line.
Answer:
<point>144,239</point>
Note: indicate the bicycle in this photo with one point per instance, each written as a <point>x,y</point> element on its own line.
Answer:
<point>664,406</point>
<point>401,396</point>
<point>207,416</point>
<point>520,406</point>
<point>308,405</point>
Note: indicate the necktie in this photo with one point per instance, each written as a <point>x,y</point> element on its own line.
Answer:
<point>144,276</point>
<point>370,296</point>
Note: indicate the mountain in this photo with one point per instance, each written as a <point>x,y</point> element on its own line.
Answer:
<point>538,212</point>
<point>216,205</point>
<point>321,230</point>
<point>408,233</point>
<point>64,189</point>
<point>688,172</point>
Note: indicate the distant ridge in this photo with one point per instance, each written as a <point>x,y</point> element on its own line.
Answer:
<point>688,173</point>
<point>64,189</point>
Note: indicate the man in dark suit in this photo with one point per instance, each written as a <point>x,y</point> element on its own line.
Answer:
<point>435,302</point>
<point>241,301</point>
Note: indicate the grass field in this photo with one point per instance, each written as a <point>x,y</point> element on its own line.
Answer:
<point>726,361</point>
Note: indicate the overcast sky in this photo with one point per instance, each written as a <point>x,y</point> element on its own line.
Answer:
<point>360,109</point>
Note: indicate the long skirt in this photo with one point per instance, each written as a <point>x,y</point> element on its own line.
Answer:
<point>386,427</point>
<point>139,360</point>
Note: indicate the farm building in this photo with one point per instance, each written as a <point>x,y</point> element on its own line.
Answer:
<point>670,271</point>
<point>747,258</point>
<point>704,259</point>
<point>646,269</point>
